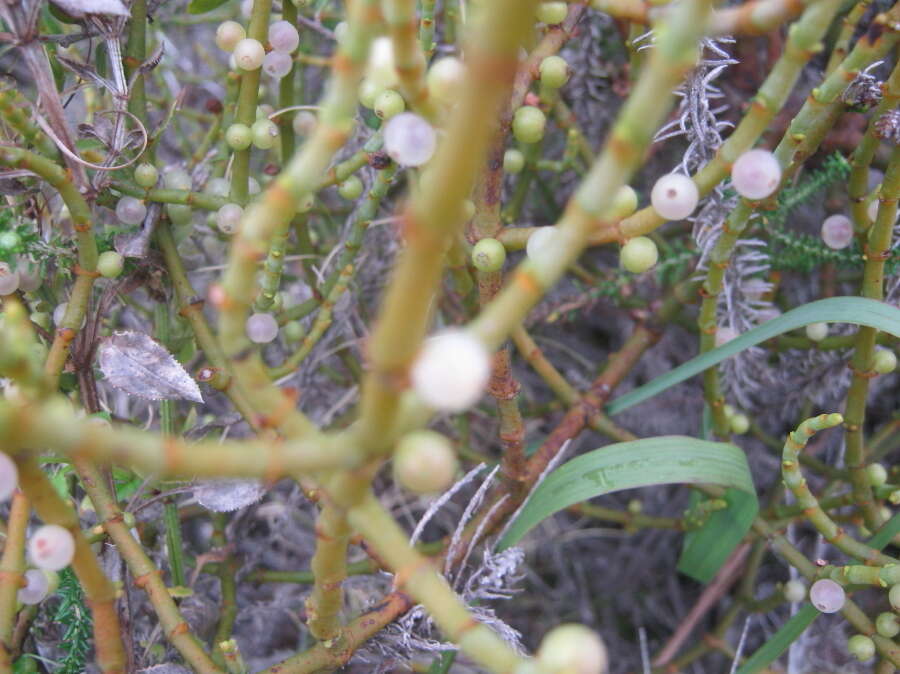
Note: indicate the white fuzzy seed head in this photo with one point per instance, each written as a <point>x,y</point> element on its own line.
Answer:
<point>409,139</point>
<point>249,54</point>
<point>9,279</point>
<point>262,328</point>
<point>756,174</point>
<point>451,371</point>
<point>277,64</point>
<point>425,462</point>
<point>36,589</point>
<point>817,331</point>
<point>51,547</point>
<point>9,477</point>
<point>444,79</point>
<point>131,211</point>
<point>228,34</point>
<point>283,37</point>
<point>837,231</point>
<point>827,596</point>
<point>674,196</point>
<point>794,590</point>
<point>228,218</point>
<point>573,649</point>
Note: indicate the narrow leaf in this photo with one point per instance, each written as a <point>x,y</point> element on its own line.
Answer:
<point>136,364</point>
<point>626,465</point>
<point>857,310</point>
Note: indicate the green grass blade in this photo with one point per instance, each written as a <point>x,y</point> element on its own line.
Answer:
<point>626,465</point>
<point>858,310</point>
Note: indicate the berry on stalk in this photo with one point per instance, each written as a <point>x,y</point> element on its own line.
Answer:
<point>425,462</point>
<point>146,175</point>
<point>488,255</point>
<point>827,596</point>
<point>409,139</point>
<point>351,188</point>
<point>674,196</point>
<point>131,211</point>
<point>513,161</point>
<point>794,590</point>
<point>265,133</point>
<point>238,136</point>
<point>110,264</point>
<point>554,71</point>
<point>528,124</point>
<point>817,331</point>
<point>388,104</point>
<point>262,328</point>
<point>573,649</point>
<point>541,243</point>
<point>639,254</point>
<point>283,37</point>
<point>837,231</point>
<point>552,13</point>
<point>176,178</point>
<point>229,34</point>
<point>861,647</point>
<point>51,547</point>
<point>444,79</point>
<point>451,371</point>
<point>228,217</point>
<point>756,174</point>
<point>884,361</point>
<point>249,54</point>
<point>277,64</point>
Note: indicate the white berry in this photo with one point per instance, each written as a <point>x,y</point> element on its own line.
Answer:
<point>573,649</point>
<point>542,244</point>
<point>725,334</point>
<point>277,64</point>
<point>837,231</point>
<point>409,139</point>
<point>872,209</point>
<point>37,587</point>
<point>228,218</point>
<point>445,78</point>
<point>380,68</point>
<point>9,279</point>
<point>283,37</point>
<point>794,590</point>
<point>817,331</point>
<point>262,328</point>
<point>674,196</point>
<point>425,462</point>
<point>9,477</point>
<point>827,596</point>
<point>228,34</point>
<point>756,174</point>
<point>451,371</point>
<point>249,54</point>
<point>51,547</point>
<point>131,211</point>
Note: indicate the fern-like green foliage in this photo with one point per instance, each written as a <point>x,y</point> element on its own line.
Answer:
<point>75,618</point>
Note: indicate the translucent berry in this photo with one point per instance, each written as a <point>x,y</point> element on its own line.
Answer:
<point>528,124</point>
<point>674,196</point>
<point>277,64</point>
<point>9,279</point>
<point>445,76</point>
<point>884,361</point>
<point>176,178</point>
<point>894,597</point>
<point>552,13</point>
<point>554,71</point>
<point>179,214</point>
<point>9,477</point>
<point>488,255</point>
<point>624,203</point>
<point>283,37</point>
<point>293,331</point>
<point>265,133</point>
<point>340,31</point>
<point>228,218</point>
<point>380,68</point>
<point>219,187</point>
<point>827,596</point>
<point>368,91</point>
<point>542,244</point>
<point>817,331</point>
<point>228,34</point>
<point>305,123</point>
<point>51,547</point>
<point>876,474</point>
<point>756,174</point>
<point>739,423</point>
<point>249,54</point>
<point>110,264</point>
<point>639,254</point>
<point>837,231</point>
<point>451,371</point>
<point>262,328</point>
<point>513,161</point>
<point>146,175</point>
<point>388,104</point>
<point>351,188</point>
<point>131,211</point>
<point>425,462</point>
<point>861,647</point>
<point>794,590</point>
<point>36,589</point>
<point>729,411</point>
<point>573,649</point>
<point>409,139</point>
<point>887,624</point>
<point>238,136</point>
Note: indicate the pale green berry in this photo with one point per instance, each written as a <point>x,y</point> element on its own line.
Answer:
<point>639,254</point>
<point>817,331</point>
<point>425,462</point>
<point>794,590</point>
<point>884,361</point>
<point>265,133</point>
<point>110,264</point>
<point>573,649</point>
<point>624,203</point>
<point>351,188</point>
<point>388,104</point>
<point>228,34</point>
<point>887,624</point>
<point>238,136</point>
<point>293,331</point>
<point>861,647</point>
<point>488,255</point>
<point>740,424</point>
<point>368,92</point>
<point>513,161</point>
<point>179,214</point>
<point>552,13</point>
<point>146,175</point>
<point>729,411</point>
<point>877,474</point>
<point>444,78</point>
<point>528,124</point>
<point>894,597</point>
<point>554,71</point>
